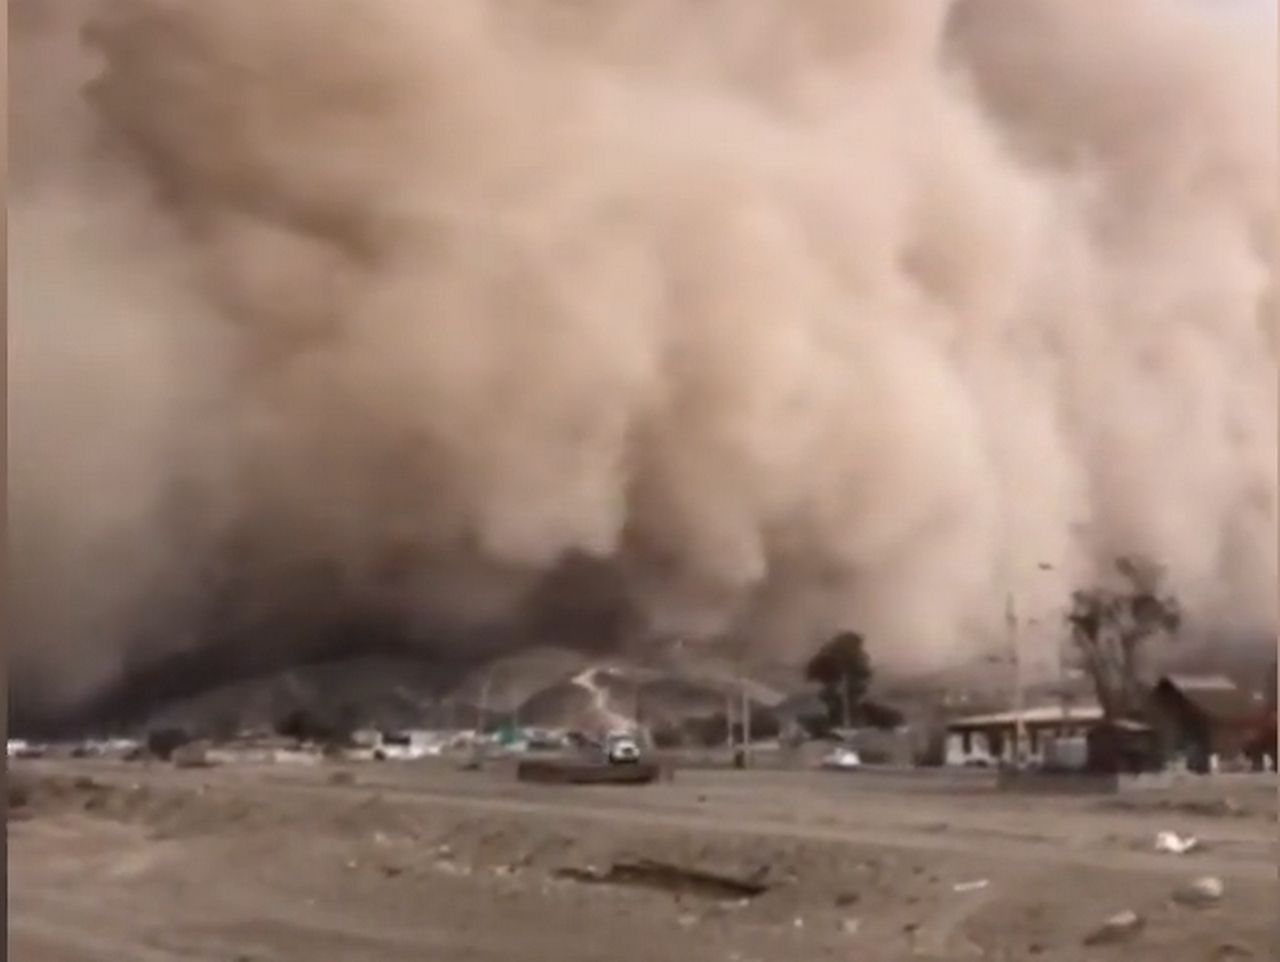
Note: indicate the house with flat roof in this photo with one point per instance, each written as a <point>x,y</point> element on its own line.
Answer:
<point>990,738</point>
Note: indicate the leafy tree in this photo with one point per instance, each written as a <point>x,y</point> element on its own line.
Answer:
<point>879,715</point>
<point>843,670</point>
<point>1111,625</point>
<point>307,726</point>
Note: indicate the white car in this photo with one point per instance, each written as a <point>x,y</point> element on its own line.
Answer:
<point>842,758</point>
<point>392,752</point>
<point>622,750</point>
<point>21,748</point>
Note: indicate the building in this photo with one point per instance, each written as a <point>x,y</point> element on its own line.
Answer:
<point>1189,718</point>
<point>1124,745</point>
<point>801,716</point>
<point>990,738</point>
<point>1201,717</point>
<point>1262,748</point>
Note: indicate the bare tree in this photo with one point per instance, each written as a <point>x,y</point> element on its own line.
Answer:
<point>1110,625</point>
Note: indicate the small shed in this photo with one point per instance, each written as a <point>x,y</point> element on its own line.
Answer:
<point>1201,716</point>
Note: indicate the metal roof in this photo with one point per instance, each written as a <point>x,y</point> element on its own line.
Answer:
<point>1187,683</point>
<point>1040,715</point>
<point>1216,697</point>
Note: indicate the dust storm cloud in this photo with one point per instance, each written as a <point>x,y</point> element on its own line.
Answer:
<point>749,316</point>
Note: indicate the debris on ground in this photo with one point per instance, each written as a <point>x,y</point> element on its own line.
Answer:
<point>573,772</point>
<point>446,867</point>
<point>1207,808</point>
<point>1175,844</point>
<point>851,926</point>
<point>667,877</point>
<point>1232,950</point>
<point>973,886</point>
<point>1121,927</point>
<point>1206,890</point>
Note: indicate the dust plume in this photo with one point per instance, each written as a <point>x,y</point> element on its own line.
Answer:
<point>736,317</point>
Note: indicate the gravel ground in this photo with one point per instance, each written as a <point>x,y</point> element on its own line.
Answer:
<point>424,862</point>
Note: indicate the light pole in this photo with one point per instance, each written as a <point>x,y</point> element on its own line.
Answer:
<point>1015,653</point>
<point>745,700</point>
<point>1014,637</point>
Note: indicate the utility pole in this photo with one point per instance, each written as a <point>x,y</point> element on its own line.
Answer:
<point>478,752</point>
<point>483,720</point>
<point>728,719</point>
<point>846,710</point>
<point>1015,653</point>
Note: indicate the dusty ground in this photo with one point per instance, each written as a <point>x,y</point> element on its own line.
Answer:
<point>423,862</point>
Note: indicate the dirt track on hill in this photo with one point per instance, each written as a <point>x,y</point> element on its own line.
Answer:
<point>266,864</point>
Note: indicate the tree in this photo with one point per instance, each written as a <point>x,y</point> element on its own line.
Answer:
<point>842,668</point>
<point>879,715</point>
<point>163,742</point>
<point>308,726</point>
<point>1111,627</point>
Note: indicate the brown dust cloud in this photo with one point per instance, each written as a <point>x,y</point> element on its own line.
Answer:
<point>616,321</point>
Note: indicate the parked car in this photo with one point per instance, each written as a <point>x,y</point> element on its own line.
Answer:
<point>20,748</point>
<point>842,758</point>
<point>622,750</point>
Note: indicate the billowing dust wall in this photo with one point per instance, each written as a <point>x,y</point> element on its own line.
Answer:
<point>751,316</point>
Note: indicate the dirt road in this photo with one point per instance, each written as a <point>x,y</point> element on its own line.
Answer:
<point>383,863</point>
